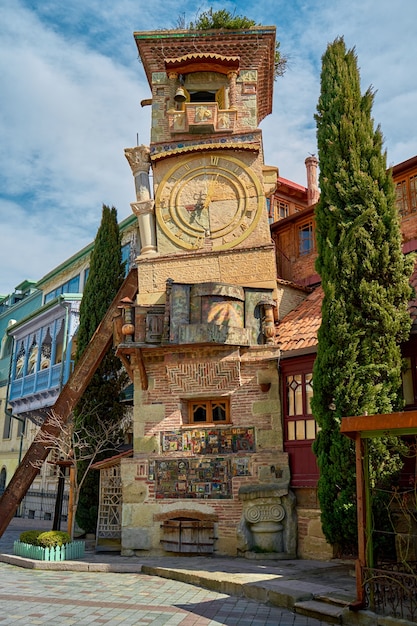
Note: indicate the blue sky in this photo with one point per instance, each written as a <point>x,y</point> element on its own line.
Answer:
<point>71,86</point>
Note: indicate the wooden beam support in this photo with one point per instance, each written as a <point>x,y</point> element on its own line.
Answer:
<point>131,355</point>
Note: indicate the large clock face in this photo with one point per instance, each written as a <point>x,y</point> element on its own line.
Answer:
<point>211,197</point>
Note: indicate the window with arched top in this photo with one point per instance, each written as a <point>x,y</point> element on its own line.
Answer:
<point>59,340</point>
<point>46,350</point>
<point>33,356</point>
<point>20,361</point>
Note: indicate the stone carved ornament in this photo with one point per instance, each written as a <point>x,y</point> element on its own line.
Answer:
<point>264,513</point>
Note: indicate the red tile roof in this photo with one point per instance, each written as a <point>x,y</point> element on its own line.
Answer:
<point>254,46</point>
<point>291,183</point>
<point>298,330</point>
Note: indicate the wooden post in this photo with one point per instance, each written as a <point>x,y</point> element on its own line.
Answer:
<point>71,501</point>
<point>59,497</point>
<point>361,511</point>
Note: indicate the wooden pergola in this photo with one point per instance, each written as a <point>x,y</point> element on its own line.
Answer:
<point>361,429</point>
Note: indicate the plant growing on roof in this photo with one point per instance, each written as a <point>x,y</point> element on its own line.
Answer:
<point>223,19</point>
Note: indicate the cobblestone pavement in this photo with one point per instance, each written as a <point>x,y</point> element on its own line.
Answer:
<point>64,598</point>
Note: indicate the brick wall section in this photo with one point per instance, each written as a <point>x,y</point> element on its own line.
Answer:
<point>289,297</point>
<point>235,376</point>
<point>303,267</point>
<point>409,228</point>
<point>163,407</point>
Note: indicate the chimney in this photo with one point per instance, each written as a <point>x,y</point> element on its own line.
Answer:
<point>313,192</point>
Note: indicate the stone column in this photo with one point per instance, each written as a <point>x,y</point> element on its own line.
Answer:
<point>265,519</point>
<point>232,89</point>
<point>143,208</point>
<point>268,322</point>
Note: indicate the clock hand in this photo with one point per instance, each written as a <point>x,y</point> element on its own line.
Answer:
<point>210,192</point>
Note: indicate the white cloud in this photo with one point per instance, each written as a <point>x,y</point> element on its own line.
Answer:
<point>71,91</point>
<point>67,114</point>
<point>25,238</point>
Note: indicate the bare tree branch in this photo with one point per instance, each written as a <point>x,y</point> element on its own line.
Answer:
<point>81,446</point>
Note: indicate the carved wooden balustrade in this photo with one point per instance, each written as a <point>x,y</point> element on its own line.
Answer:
<point>202,117</point>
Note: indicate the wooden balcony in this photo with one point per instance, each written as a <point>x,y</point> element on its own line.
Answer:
<point>41,381</point>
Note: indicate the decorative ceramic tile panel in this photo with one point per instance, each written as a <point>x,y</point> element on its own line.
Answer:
<point>209,440</point>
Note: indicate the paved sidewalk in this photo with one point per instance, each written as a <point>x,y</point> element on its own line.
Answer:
<point>323,590</point>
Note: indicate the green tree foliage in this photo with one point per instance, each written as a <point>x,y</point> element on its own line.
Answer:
<point>223,19</point>
<point>104,279</point>
<point>101,397</point>
<point>365,280</point>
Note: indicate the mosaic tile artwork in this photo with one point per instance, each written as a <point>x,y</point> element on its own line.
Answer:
<point>197,478</point>
<point>209,440</point>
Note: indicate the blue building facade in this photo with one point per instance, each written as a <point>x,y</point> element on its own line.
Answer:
<point>38,329</point>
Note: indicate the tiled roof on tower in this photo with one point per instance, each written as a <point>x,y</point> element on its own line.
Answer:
<point>254,48</point>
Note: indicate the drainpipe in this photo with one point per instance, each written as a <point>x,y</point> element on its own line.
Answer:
<point>22,421</point>
<point>64,345</point>
<point>7,410</point>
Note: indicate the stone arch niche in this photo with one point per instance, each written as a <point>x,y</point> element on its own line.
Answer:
<point>268,526</point>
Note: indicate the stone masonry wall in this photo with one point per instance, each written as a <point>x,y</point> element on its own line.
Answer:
<point>248,267</point>
<point>163,408</point>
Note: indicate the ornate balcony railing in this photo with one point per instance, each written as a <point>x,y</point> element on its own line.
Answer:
<point>202,117</point>
<point>33,383</point>
<point>391,590</point>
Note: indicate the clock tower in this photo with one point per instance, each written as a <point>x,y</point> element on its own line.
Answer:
<point>208,473</point>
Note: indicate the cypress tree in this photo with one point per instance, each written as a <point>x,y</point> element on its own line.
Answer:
<point>102,394</point>
<point>365,279</point>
